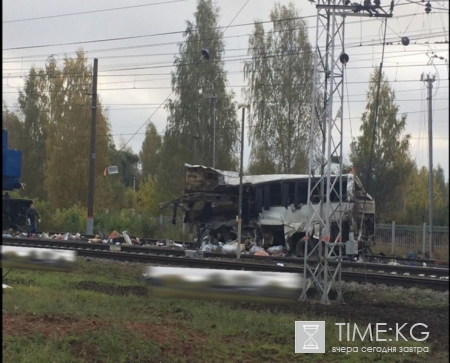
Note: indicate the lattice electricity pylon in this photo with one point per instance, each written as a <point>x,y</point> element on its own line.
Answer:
<point>325,216</point>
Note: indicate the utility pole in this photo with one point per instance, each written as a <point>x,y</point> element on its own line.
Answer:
<point>241,173</point>
<point>213,129</point>
<point>429,82</point>
<point>90,217</point>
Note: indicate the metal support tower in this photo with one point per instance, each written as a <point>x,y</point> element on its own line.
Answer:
<point>324,230</point>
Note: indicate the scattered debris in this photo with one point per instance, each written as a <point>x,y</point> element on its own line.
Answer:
<point>255,249</point>
<point>95,240</point>
<point>277,253</point>
<point>114,234</point>
<point>210,247</point>
<point>261,253</point>
<point>127,238</point>
<point>393,263</point>
<point>231,247</point>
<point>275,248</point>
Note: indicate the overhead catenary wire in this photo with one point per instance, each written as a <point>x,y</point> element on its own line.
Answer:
<point>270,21</point>
<point>159,34</point>
<point>229,59</point>
<point>94,11</point>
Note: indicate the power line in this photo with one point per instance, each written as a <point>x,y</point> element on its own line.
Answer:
<point>169,87</point>
<point>94,11</point>
<point>164,34</point>
<point>19,59</point>
<point>233,86</point>
<point>228,59</point>
<point>356,45</point>
<point>150,35</point>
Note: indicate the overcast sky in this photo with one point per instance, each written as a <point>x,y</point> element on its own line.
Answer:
<point>135,79</point>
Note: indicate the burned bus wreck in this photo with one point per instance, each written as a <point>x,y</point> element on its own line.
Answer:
<point>274,209</point>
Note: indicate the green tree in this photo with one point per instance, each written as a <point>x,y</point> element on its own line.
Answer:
<point>33,103</point>
<point>391,163</point>
<point>12,123</point>
<point>416,207</point>
<point>131,197</point>
<point>261,162</point>
<point>151,148</point>
<point>147,198</point>
<point>441,198</point>
<point>115,187</point>
<point>416,202</point>
<point>280,80</point>
<point>188,137</point>
<point>68,134</point>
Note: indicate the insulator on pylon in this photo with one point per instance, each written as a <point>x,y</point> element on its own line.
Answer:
<point>344,58</point>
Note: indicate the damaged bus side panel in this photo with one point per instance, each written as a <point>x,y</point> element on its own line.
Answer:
<point>275,210</point>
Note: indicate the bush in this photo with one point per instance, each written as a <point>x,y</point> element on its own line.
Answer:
<point>44,210</point>
<point>135,224</point>
<point>72,220</point>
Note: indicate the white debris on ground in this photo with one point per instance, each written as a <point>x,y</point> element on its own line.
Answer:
<point>393,263</point>
<point>6,286</point>
<point>113,238</point>
<point>208,244</point>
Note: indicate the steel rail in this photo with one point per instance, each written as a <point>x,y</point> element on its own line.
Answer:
<point>403,259</point>
<point>415,270</point>
<point>435,284</point>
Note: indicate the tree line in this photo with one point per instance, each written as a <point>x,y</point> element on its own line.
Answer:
<point>52,126</point>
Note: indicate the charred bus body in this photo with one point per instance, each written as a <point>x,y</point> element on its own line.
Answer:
<point>275,210</point>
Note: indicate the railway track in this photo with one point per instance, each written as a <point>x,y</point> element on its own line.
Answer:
<point>418,261</point>
<point>400,269</point>
<point>136,254</point>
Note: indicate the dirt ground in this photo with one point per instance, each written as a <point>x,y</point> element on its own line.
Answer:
<point>62,326</point>
<point>361,310</point>
<point>111,289</point>
<point>436,318</point>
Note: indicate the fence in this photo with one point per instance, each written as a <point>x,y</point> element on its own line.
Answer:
<point>398,240</point>
<point>391,239</point>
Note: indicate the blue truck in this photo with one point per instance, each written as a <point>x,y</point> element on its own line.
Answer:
<point>13,210</point>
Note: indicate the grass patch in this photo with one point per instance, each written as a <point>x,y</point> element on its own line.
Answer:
<point>102,312</point>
